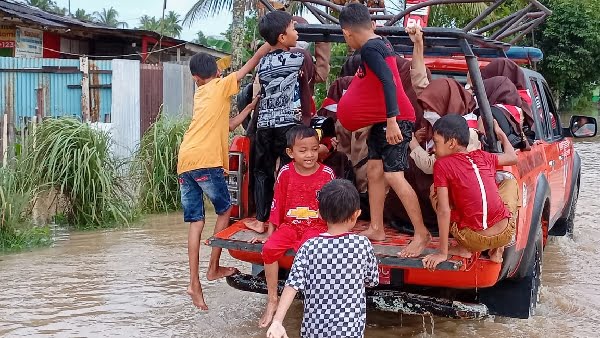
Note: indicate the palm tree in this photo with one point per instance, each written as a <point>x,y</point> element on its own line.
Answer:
<point>45,5</point>
<point>200,38</point>
<point>203,8</point>
<point>109,17</point>
<point>171,25</point>
<point>149,23</point>
<point>80,14</point>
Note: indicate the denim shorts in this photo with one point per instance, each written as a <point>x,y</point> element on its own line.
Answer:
<point>194,184</point>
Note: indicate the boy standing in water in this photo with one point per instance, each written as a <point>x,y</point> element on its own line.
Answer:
<point>203,159</point>
<point>376,97</point>
<point>332,270</point>
<point>295,208</point>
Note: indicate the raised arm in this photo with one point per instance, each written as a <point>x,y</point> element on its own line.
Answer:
<point>235,121</point>
<point>253,62</point>
<point>509,157</point>
<point>418,71</point>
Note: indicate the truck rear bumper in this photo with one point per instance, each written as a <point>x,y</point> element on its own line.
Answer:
<point>385,300</point>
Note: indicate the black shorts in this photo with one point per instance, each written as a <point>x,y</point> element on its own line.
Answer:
<point>394,157</point>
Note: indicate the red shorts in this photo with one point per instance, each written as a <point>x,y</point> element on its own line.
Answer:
<point>287,237</point>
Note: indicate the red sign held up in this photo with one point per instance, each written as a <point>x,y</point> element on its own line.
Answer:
<point>417,17</point>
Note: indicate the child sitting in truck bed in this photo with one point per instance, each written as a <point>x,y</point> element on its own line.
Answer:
<point>468,202</point>
<point>295,208</point>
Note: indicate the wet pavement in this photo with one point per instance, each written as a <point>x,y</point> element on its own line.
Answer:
<point>132,283</point>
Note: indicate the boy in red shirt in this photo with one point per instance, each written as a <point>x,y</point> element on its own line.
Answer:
<point>376,98</point>
<point>469,204</point>
<point>295,209</point>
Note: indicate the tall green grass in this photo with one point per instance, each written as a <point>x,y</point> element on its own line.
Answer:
<point>155,165</point>
<point>16,202</point>
<point>74,158</point>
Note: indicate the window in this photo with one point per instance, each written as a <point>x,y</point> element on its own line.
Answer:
<point>537,108</point>
<point>553,117</point>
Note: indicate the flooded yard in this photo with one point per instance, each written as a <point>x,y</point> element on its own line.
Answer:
<point>132,283</point>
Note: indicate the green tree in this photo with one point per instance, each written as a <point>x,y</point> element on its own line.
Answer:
<point>149,23</point>
<point>200,39</point>
<point>570,40</point>
<point>80,14</point>
<point>110,18</point>
<point>203,8</point>
<point>45,5</point>
<point>171,25</point>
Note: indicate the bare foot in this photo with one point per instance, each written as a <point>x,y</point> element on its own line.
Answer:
<point>496,255</point>
<point>459,251</point>
<point>220,272</point>
<point>377,235</point>
<point>256,225</point>
<point>267,316</point>
<point>197,297</point>
<point>416,246</point>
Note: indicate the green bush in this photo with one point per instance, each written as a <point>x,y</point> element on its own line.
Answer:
<point>74,158</point>
<point>155,165</point>
<point>16,201</point>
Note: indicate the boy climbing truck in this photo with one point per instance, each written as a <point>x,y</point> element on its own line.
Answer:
<point>548,175</point>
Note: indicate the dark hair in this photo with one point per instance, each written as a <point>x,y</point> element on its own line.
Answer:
<point>453,127</point>
<point>299,133</point>
<point>338,201</point>
<point>272,25</point>
<point>203,65</point>
<point>355,15</point>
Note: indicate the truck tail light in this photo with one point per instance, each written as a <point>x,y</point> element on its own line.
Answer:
<point>234,183</point>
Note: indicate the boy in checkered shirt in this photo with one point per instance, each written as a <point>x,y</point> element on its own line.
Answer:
<point>294,209</point>
<point>332,270</point>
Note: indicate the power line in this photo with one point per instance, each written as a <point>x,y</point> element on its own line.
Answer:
<point>114,56</point>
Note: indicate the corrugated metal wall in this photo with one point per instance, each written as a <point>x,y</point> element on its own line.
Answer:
<point>125,117</point>
<point>178,89</point>
<point>53,85</point>
<point>151,94</point>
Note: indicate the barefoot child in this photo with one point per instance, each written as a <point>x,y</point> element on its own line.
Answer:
<point>295,208</point>
<point>332,270</point>
<point>467,202</point>
<point>203,159</point>
<point>376,97</point>
<point>285,76</point>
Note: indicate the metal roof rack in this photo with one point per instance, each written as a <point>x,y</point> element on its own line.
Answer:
<point>468,41</point>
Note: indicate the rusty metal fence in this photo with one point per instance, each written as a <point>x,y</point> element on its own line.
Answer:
<point>124,96</point>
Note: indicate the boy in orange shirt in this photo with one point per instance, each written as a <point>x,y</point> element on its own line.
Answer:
<point>204,159</point>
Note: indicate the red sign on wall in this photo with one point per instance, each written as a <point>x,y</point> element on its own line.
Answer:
<point>7,44</point>
<point>418,16</point>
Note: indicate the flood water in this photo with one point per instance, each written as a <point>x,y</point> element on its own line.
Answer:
<point>132,283</point>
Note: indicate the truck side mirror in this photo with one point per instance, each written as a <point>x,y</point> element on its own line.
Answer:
<point>583,126</point>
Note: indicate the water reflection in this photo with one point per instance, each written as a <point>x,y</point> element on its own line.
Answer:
<point>132,283</point>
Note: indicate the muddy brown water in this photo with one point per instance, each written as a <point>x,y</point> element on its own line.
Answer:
<point>131,283</point>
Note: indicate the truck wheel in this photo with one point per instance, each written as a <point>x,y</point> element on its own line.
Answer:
<point>535,277</point>
<point>570,221</point>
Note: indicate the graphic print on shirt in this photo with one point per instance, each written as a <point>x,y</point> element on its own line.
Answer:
<point>278,73</point>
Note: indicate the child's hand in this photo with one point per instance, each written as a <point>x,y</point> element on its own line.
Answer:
<point>392,132</point>
<point>252,104</point>
<point>415,33</point>
<point>499,133</point>
<point>276,330</point>
<point>420,135</point>
<point>432,260</point>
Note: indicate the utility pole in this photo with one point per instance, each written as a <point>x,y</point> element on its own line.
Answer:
<point>162,28</point>
<point>69,7</point>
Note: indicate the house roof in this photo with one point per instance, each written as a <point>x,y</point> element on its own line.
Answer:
<point>21,13</point>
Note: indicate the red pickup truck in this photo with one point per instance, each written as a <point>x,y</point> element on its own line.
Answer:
<point>548,177</point>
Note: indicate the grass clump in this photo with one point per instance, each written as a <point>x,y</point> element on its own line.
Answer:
<point>16,201</point>
<point>74,159</point>
<point>155,165</point>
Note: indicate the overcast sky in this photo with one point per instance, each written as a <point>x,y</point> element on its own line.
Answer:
<point>131,10</point>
